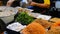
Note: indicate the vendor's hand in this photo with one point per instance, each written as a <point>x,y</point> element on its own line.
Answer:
<point>9,3</point>
<point>33,4</point>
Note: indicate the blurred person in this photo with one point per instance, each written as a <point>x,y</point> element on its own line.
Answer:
<point>29,7</point>
<point>24,3</point>
<point>9,2</point>
<point>40,5</point>
<point>13,3</point>
<point>16,3</point>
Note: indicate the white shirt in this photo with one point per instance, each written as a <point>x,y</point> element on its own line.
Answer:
<point>25,1</point>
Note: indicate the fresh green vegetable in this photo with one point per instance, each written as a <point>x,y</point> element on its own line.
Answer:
<point>24,18</point>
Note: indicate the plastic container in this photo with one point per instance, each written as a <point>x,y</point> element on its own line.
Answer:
<point>10,17</point>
